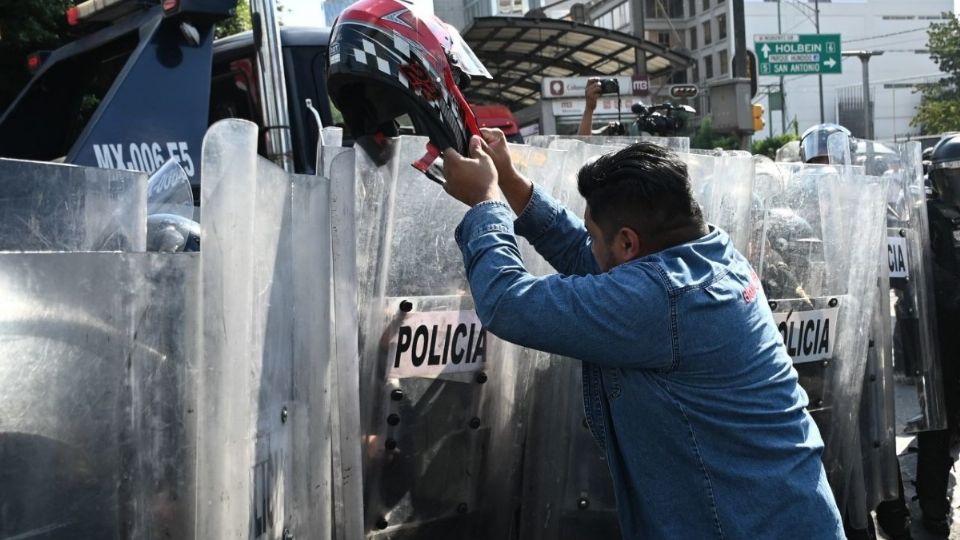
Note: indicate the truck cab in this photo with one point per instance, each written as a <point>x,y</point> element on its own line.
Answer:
<point>145,81</point>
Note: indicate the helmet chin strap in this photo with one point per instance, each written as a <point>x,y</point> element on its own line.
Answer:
<point>431,164</point>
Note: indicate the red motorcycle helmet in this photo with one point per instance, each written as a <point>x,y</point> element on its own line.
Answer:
<point>388,59</point>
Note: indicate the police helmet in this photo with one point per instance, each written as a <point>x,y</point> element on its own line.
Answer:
<point>170,233</point>
<point>813,143</point>
<point>945,169</point>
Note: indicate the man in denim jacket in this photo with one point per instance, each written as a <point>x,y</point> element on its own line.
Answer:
<point>686,383</point>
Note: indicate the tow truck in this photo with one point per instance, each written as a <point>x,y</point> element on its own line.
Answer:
<point>146,78</point>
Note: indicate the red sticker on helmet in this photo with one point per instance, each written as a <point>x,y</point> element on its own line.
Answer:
<point>420,81</point>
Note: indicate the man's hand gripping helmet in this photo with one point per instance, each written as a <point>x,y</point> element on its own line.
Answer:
<point>386,60</point>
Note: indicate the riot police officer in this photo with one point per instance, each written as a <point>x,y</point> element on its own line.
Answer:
<point>933,459</point>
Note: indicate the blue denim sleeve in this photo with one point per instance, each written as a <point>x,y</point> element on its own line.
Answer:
<point>618,318</point>
<point>557,234</point>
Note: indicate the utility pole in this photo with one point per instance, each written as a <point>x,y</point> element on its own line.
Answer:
<point>783,94</point>
<point>864,56</point>
<point>638,21</point>
<point>740,57</point>
<point>816,9</point>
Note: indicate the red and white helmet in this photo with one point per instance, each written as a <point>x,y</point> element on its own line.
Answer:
<point>387,59</point>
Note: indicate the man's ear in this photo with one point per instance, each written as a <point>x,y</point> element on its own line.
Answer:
<point>627,244</point>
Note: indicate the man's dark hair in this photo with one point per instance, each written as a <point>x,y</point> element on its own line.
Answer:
<point>644,187</point>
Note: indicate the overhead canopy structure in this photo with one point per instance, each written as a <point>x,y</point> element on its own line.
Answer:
<point>520,51</point>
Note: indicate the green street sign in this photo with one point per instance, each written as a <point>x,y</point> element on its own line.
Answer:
<point>798,54</point>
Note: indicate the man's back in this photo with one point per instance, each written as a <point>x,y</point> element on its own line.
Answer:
<point>718,442</point>
<point>687,386</point>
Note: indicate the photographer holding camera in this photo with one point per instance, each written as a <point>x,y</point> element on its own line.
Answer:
<point>592,93</point>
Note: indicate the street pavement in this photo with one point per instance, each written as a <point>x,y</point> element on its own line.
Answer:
<point>908,407</point>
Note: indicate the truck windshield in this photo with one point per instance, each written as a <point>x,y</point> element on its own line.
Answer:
<point>49,116</point>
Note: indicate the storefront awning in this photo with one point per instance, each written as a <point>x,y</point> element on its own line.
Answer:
<point>520,51</point>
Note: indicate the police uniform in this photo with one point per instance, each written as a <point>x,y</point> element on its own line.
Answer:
<point>934,459</point>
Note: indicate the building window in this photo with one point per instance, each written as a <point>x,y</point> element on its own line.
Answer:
<point>708,66</point>
<point>621,15</point>
<point>511,7</point>
<point>722,26</point>
<point>707,37</point>
<point>679,77</point>
<point>604,21</point>
<point>663,38</point>
<point>706,5</point>
<point>693,38</point>
<point>724,62</point>
<point>695,72</point>
<point>676,9</point>
<point>692,8</point>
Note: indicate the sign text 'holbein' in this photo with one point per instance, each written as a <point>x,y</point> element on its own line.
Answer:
<point>798,54</point>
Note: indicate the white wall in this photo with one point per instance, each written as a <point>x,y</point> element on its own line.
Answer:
<point>861,26</point>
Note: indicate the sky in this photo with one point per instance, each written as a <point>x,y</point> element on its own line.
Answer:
<point>304,12</point>
<point>310,12</point>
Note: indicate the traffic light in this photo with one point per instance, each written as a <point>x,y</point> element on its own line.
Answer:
<point>684,91</point>
<point>758,123</point>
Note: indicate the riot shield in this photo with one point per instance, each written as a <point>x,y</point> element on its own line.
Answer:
<point>722,183</point>
<point>677,144</point>
<point>97,435</point>
<point>441,400</point>
<point>567,489</point>
<point>55,207</point>
<point>265,449</point>
<point>909,262</point>
<point>822,291</point>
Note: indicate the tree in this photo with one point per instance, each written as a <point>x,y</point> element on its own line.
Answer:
<point>27,26</point>
<point>939,108</point>
<point>240,22</point>
<point>706,139</point>
<point>769,146</point>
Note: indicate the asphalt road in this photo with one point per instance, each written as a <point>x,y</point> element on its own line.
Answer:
<point>907,407</point>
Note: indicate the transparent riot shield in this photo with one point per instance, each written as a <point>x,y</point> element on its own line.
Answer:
<point>677,144</point>
<point>722,183</point>
<point>97,435</point>
<point>822,291</point>
<point>567,489</point>
<point>442,401</point>
<point>909,263</point>
<point>55,207</point>
<point>264,395</point>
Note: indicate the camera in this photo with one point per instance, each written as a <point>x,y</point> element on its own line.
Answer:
<point>609,86</point>
<point>661,120</point>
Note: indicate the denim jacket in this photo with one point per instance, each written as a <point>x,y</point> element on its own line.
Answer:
<point>686,384</point>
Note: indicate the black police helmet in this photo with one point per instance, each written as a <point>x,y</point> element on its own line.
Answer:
<point>945,169</point>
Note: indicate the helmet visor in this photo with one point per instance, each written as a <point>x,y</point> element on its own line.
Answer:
<point>466,60</point>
